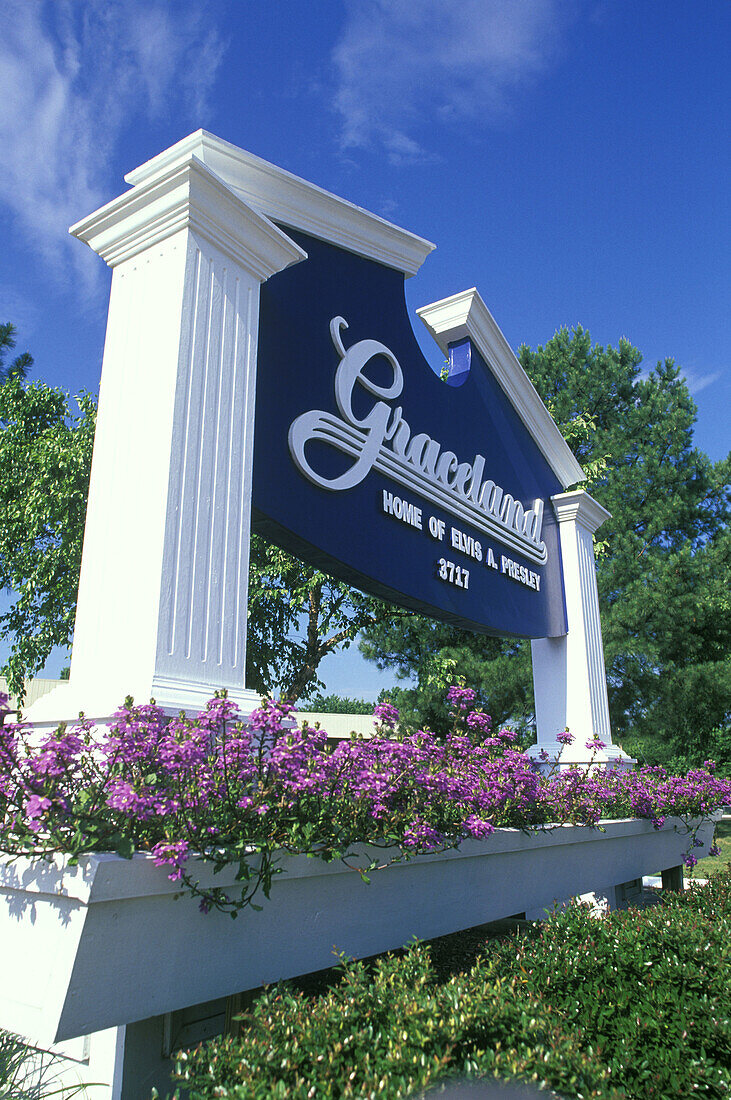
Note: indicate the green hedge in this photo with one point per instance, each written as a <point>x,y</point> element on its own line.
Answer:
<point>633,1006</point>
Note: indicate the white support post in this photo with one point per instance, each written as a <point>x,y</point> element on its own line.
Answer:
<point>163,589</point>
<point>569,675</point>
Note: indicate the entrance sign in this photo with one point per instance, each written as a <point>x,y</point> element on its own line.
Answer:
<point>430,496</point>
<point>260,367</point>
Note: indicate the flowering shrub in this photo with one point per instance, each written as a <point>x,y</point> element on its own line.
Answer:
<point>215,788</point>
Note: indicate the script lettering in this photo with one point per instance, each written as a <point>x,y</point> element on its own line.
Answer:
<point>383,440</point>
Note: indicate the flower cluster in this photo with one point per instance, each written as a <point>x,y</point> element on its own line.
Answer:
<point>461,697</point>
<point>386,714</point>
<point>228,791</point>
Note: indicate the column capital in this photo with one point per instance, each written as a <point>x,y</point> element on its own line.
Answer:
<point>188,195</point>
<point>578,506</point>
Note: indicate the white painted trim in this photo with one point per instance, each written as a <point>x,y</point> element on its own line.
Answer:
<point>294,202</point>
<point>164,614</point>
<point>188,195</point>
<point>548,754</point>
<point>175,695</point>
<point>580,507</point>
<point>465,314</point>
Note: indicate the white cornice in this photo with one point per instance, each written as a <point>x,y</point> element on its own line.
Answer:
<point>466,314</point>
<point>294,202</point>
<point>580,507</point>
<point>187,194</point>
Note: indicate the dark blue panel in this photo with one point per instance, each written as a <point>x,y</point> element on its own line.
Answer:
<point>460,362</point>
<point>347,532</point>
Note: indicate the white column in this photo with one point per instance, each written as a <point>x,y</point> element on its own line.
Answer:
<point>164,577</point>
<point>569,675</point>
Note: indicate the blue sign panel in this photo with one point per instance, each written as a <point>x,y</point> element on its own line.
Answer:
<point>432,496</point>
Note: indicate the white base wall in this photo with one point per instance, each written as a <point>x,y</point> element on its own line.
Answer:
<point>112,941</point>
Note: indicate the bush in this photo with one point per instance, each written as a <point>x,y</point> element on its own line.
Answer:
<point>635,1006</point>
<point>335,704</point>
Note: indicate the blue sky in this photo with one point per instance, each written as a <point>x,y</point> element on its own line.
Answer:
<point>568,158</point>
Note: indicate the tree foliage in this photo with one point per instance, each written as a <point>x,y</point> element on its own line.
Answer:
<point>45,458</point>
<point>296,617</point>
<point>336,704</point>
<point>663,561</point>
<point>21,364</point>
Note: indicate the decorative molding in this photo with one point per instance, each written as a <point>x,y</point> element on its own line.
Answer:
<point>180,358</point>
<point>191,696</point>
<point>548,754</point>
<point>205,565</point>
<point>466,315</point>
<point>292,201</point>
<point>581,507</point>
<point>188,195</point>
<point>595,668</point>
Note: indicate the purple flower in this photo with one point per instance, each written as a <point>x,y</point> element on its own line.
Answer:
<point>122,796</point>
<point>565,738</point>
<point>36,806</point>
<point>386,714</point>
<point>481,723</point>
<point>214,779</point>
<point>461,697</point>
<point>421,835</point>
<point>173,854</point>
<point>476,827</point>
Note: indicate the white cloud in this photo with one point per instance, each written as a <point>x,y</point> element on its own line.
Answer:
<point>403,64</point>
<point>73,78</point>
<point>697,382</point>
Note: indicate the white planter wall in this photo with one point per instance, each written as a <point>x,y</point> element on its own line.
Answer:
<point>108,942</point>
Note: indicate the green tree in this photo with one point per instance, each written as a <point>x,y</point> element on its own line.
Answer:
<point>661,566</point>
<point>45,458</point>
<point>21,364</point>
<point>432,655</point>
<point>336,704</point>
<point>296,617</point>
